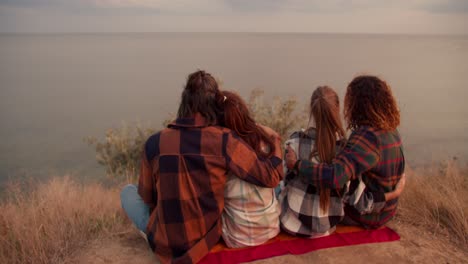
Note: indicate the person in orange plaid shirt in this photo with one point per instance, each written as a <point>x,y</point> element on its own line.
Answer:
<point>180,195</point>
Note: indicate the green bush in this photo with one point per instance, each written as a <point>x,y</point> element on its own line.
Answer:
<point>121,149</point>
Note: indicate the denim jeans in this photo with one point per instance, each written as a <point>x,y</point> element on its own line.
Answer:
<point>135,207</point>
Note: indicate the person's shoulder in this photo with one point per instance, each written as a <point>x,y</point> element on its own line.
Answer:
<point>368,133</point>
<point>154,137</point>
<point>380,134</point>
<point>151,147</point>
<point>217,129</point>
<point>363,130</point>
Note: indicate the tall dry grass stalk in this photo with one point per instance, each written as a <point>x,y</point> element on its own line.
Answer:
<point>436,197</point>
<point>49,222</point>
<point>281,114</point>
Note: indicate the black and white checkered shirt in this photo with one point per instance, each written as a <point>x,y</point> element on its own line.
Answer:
<point>301,214</point>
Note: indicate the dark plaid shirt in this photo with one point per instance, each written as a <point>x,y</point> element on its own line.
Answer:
<point>377,155</point>
<point>182,179</point>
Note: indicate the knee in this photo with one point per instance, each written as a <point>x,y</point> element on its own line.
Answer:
<point>127,192</point>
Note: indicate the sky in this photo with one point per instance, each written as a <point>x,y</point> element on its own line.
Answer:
<point>318,16</point>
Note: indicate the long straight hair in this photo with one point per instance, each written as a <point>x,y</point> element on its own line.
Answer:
<point>325,111</point>
<point>237,117</point>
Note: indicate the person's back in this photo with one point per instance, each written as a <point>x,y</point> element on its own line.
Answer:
<point>251,213</point>
<point>183,175</point>
<point>301,213</point>
<point>189,188</point>
<point>309,210</point>
<point>382,178</point>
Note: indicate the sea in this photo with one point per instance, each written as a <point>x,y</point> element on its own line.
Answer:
<point>58,89</point>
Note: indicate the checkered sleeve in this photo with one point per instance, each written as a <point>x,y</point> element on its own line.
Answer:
<point>146,186</point>
<point>364,200</point>
<point>244,163</point>
<point>360,154</point>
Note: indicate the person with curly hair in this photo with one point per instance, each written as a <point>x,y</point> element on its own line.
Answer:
<point>373,151</point>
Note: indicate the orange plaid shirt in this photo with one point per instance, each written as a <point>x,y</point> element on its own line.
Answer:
<point>182,179</point>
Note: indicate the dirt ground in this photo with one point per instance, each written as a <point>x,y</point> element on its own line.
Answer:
<point>416,246</point>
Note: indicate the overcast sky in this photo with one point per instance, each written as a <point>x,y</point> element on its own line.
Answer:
<point>348,16</point>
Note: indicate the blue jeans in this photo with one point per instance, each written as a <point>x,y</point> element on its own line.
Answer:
<point>135,207</point>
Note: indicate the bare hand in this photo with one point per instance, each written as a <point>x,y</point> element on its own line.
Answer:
<point>290,158</point>
<point>401,184</point>
<point>398,189</point>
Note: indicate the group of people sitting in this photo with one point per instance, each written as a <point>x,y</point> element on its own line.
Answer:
<point>214,172</point>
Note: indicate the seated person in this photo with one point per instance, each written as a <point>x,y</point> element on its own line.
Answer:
<point>251,212</point>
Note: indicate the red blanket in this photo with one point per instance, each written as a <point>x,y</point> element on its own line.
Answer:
<point>286,244</point>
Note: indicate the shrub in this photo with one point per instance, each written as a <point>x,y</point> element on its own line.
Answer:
<point>121,150</point>
<point>281,114</point>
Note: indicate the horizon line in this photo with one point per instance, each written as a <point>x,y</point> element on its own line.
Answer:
<point>229,32</point>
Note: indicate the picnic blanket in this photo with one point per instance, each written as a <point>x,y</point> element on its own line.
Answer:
<point>286,244</point>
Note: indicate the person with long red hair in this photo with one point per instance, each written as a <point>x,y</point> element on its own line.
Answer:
<point>251,212</point>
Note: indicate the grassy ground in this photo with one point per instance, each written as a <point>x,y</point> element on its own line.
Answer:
<point>436,197</point>
<point>57,219</point>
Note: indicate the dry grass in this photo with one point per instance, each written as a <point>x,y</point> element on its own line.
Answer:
<point>436,197</point>
<point>58,218</point>
<point>283,115</point>
<point>49,223</point>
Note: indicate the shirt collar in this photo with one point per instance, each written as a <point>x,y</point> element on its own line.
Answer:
<point>196,121</point>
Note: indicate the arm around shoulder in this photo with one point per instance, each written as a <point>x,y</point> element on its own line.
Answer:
<point>362,152</point>
<point>245,164</point>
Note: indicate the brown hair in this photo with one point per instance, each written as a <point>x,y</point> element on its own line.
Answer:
<point>369,102</point>
<point>201,95</point>
<point>237,117</point>
<point>325,110</point>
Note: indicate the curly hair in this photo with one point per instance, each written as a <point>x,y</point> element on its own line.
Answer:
<point>369,102</point>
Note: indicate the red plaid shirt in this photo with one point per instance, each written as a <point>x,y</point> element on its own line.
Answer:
<point>182,179</point>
